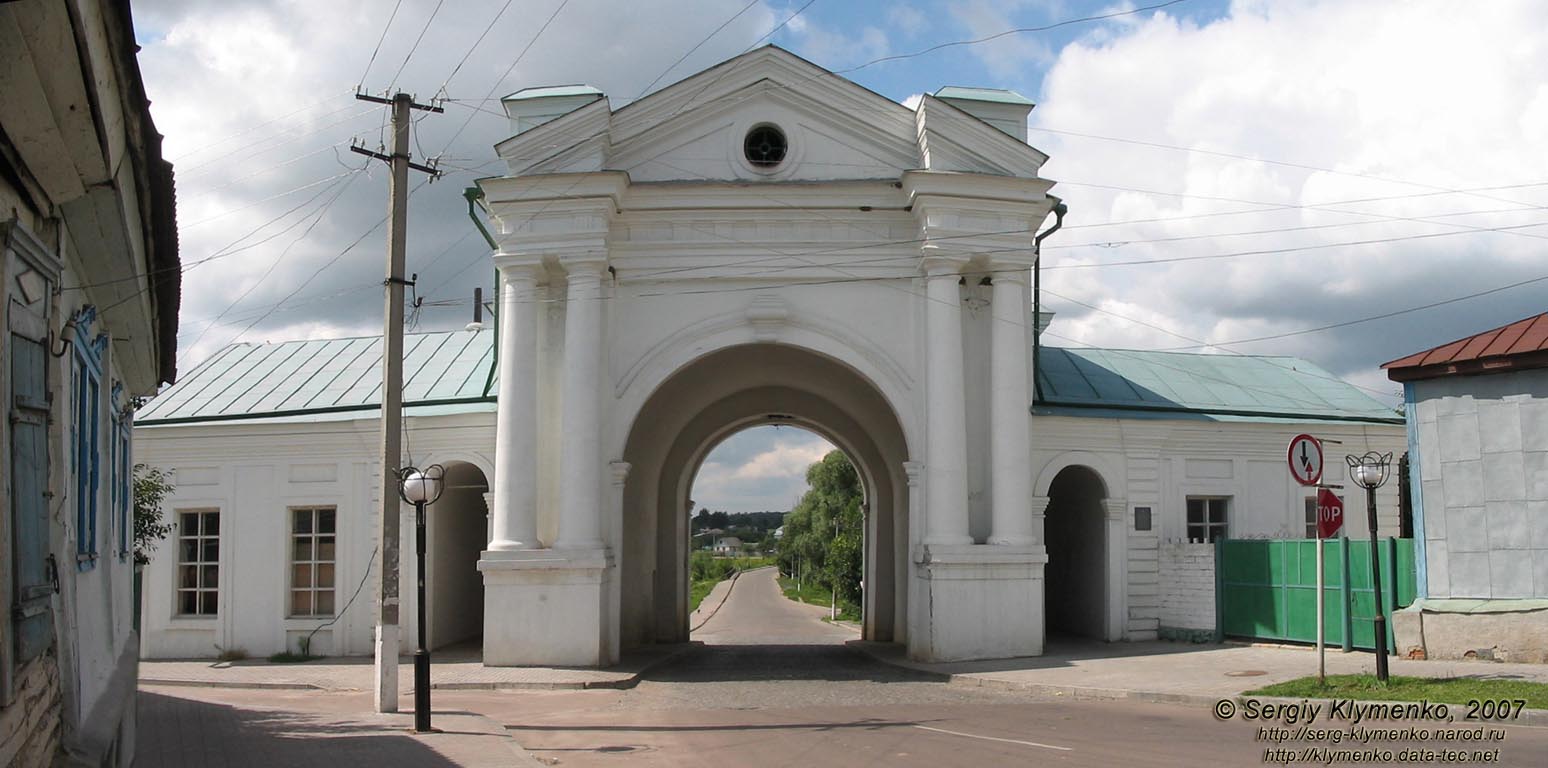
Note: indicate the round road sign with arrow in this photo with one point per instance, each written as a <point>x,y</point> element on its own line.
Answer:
<point>1306,459</point>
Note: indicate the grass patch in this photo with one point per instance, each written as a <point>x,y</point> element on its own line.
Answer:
<point>812,593</point>
<point>698,590</point>
<point>286,657</point>
<point>1449,690</point>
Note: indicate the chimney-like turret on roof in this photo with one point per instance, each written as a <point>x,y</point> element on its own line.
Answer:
<point>531,107</point>
<point>1006,110</point>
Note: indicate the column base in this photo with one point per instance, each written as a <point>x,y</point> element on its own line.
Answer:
<point>545,607</point>
<point>981,601</point>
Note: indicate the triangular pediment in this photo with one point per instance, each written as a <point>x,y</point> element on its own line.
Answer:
<point>694,129</point>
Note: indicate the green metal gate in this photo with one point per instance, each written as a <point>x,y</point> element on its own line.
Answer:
<point>1266,590</point>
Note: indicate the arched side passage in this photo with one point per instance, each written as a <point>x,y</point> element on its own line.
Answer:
<point>457,528</point>
<point>715,396</point>
<point>1085,537</point>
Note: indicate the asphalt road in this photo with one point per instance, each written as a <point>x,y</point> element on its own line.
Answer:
<point>775,686</point>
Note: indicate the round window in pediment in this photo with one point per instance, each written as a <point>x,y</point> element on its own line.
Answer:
<point>765,146</point>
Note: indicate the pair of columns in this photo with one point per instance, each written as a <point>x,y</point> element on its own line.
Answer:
<point>946,410</point>
<point>513,520</point>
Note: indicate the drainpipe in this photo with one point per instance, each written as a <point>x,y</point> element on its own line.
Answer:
<point>473,195</point>
<point>1059,210</point>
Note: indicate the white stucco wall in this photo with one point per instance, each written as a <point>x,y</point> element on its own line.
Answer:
<point>1158,463</point>
<point>1483,469</point>
<point>1188,594</point>
<point>254,472</point>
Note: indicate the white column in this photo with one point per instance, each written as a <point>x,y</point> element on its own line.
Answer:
<point>946,510</point>
<point>580,455</point>
<point>1010,422</point>
<point>513,518</point>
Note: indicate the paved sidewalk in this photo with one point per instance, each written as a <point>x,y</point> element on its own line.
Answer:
<point>354,673</point>
<point>180,727</point>
<point>1178,672</point>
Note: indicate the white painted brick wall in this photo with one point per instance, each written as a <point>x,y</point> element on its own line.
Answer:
<point>1187,585</point>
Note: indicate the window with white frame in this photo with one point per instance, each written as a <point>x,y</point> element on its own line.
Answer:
<point>312,555</point>
<point>1207,517</point>
<point>198,562</point>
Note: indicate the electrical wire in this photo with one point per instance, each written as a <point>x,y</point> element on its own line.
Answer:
<point>422,30</point>
<point>379,41</point>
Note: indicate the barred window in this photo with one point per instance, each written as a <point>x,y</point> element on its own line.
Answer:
<point>198,562</point>
<point>312,535</point>
<point>1207,517</point>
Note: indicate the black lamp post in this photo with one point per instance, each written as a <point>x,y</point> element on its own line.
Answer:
<point>1370,472</point>
<point>421,488</point>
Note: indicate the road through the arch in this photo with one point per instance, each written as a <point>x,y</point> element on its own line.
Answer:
<point>757,613</point>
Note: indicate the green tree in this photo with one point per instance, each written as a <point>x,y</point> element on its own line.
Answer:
<point>151,488</point>
<point>824,533</point>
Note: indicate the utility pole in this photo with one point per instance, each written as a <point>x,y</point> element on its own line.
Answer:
<point>387,641</point>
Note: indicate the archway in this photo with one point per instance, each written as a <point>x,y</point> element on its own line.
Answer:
<point>457,530</point>
<point>1075,530</point>
<point>714,397</point>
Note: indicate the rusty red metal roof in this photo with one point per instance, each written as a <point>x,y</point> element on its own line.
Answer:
<point>1522,344</point>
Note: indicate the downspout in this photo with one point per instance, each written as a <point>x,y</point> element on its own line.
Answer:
<point>473,195</point>
<point>1059,210</point>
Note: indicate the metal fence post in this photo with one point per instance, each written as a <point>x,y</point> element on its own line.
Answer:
<point>1346,596</point>
<point>1220,590</point>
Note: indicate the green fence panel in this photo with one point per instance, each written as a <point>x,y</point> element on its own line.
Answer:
<point>1269,588</point>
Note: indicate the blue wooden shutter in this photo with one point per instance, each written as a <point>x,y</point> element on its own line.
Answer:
<point>29,507</point>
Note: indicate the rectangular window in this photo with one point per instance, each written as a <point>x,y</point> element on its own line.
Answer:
<point>198,561</point>
<point>312,545</point>
<point>88,398</point>
<point>1207,517</point>
<point>123,485</point>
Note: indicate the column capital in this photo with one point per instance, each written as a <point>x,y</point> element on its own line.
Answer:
<point>936,264</point>
<point>1001,273</point>
<point>588,264</point>
<point>620,471</point>
<point>1116,508</point>
<point>519,267</point>
<point>914,470</point>
<point>1040,505</point>
<point>489,504</point>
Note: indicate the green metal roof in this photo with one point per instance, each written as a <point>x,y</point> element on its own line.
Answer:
<point>245,381</point>
<point>303,380</point>
<point>1236,386</point>
<point>983,94</point>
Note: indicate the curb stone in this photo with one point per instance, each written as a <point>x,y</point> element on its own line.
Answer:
<point>723,599</point>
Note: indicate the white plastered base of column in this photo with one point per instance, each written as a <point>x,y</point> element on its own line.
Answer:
<point>386,667</point>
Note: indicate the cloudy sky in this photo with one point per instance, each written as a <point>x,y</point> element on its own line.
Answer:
<point>1234,171</point>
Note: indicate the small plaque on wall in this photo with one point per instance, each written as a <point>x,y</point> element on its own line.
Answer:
<point>1142,518</point>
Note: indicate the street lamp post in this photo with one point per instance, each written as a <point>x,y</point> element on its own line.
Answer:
<point>1370,472</point>
<point>421,488</point>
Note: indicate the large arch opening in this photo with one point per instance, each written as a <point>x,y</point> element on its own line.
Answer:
<point>709,400</point>
<point>457,530</point>
<point>1075,531</point>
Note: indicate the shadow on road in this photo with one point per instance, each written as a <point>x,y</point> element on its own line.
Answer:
<point>184,732</point>
<point>747,663</point>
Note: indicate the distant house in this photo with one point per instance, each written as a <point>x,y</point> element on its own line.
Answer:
<point>1478,433</point>
<point>89,285</point>
<point>728,545</point>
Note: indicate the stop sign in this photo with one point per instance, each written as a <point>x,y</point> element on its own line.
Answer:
<point>1330,513</point>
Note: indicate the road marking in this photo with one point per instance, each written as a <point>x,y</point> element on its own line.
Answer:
<point>995,738</point>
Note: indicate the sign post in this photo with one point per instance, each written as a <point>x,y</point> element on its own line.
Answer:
<point>1305,459</point>
<point>1330,517</point>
